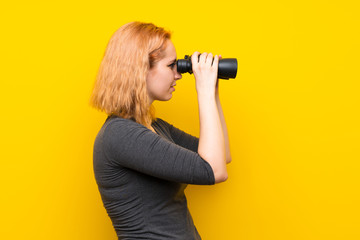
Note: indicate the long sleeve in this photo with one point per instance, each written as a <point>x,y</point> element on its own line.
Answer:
<point>180,137</point>
<point>131,145</point>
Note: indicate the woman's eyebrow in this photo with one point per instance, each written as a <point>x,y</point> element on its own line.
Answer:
<point>173,61</point>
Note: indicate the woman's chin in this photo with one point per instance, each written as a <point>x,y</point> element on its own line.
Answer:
<point>168,98</point>
<point>164,99</point>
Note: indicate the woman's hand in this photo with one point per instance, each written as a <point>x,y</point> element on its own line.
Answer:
<point>211,140</point>
<point>205,69</point>
<point>217,82</point>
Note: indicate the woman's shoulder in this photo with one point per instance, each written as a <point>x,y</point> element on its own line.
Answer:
<point>118,131</point>
<point>116,124</point>
<point>115,118</point>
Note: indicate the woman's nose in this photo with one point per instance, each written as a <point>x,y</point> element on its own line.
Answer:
<point>178,76</point>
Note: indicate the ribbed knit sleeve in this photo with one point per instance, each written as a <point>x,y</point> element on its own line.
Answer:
<point>131,145</point>
<point>180,137</point>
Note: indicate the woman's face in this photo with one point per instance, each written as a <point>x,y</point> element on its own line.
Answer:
<point>162,77</point>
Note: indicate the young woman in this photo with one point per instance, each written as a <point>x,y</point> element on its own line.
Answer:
<point>142,164</point>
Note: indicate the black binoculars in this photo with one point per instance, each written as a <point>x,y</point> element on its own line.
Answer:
<point>227,67</point>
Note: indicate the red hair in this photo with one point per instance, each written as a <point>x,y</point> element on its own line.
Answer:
<point>120,86</point>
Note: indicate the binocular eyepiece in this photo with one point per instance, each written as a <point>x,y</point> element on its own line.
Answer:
<point>227,67</point>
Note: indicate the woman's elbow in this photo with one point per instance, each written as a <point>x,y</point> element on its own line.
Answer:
<point>221,177</point>
<point>228,160</point>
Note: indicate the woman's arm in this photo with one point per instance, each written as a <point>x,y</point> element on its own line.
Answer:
<point>180,137</point>
<point>223,124</point>
<point>124,143</point>
<point>211,141</point>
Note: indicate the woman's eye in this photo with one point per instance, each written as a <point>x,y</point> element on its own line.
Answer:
<point>171,65</point>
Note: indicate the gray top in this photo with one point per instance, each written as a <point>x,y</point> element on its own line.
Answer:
<point>142,176</point>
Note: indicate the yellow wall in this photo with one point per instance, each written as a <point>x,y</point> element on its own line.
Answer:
<point>292,113</point>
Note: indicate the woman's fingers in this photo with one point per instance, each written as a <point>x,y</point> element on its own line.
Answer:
<point>209,59</point>
<point>203,58</point>
<point>205,65</point>
<point>216,62</point>
<point>195,58</point>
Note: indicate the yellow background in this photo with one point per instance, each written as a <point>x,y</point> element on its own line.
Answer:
<point>292,113</point>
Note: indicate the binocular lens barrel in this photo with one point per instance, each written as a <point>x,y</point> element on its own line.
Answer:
<point>227,67</point>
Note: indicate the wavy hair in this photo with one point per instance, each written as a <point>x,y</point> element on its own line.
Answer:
<point>120,85</point>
